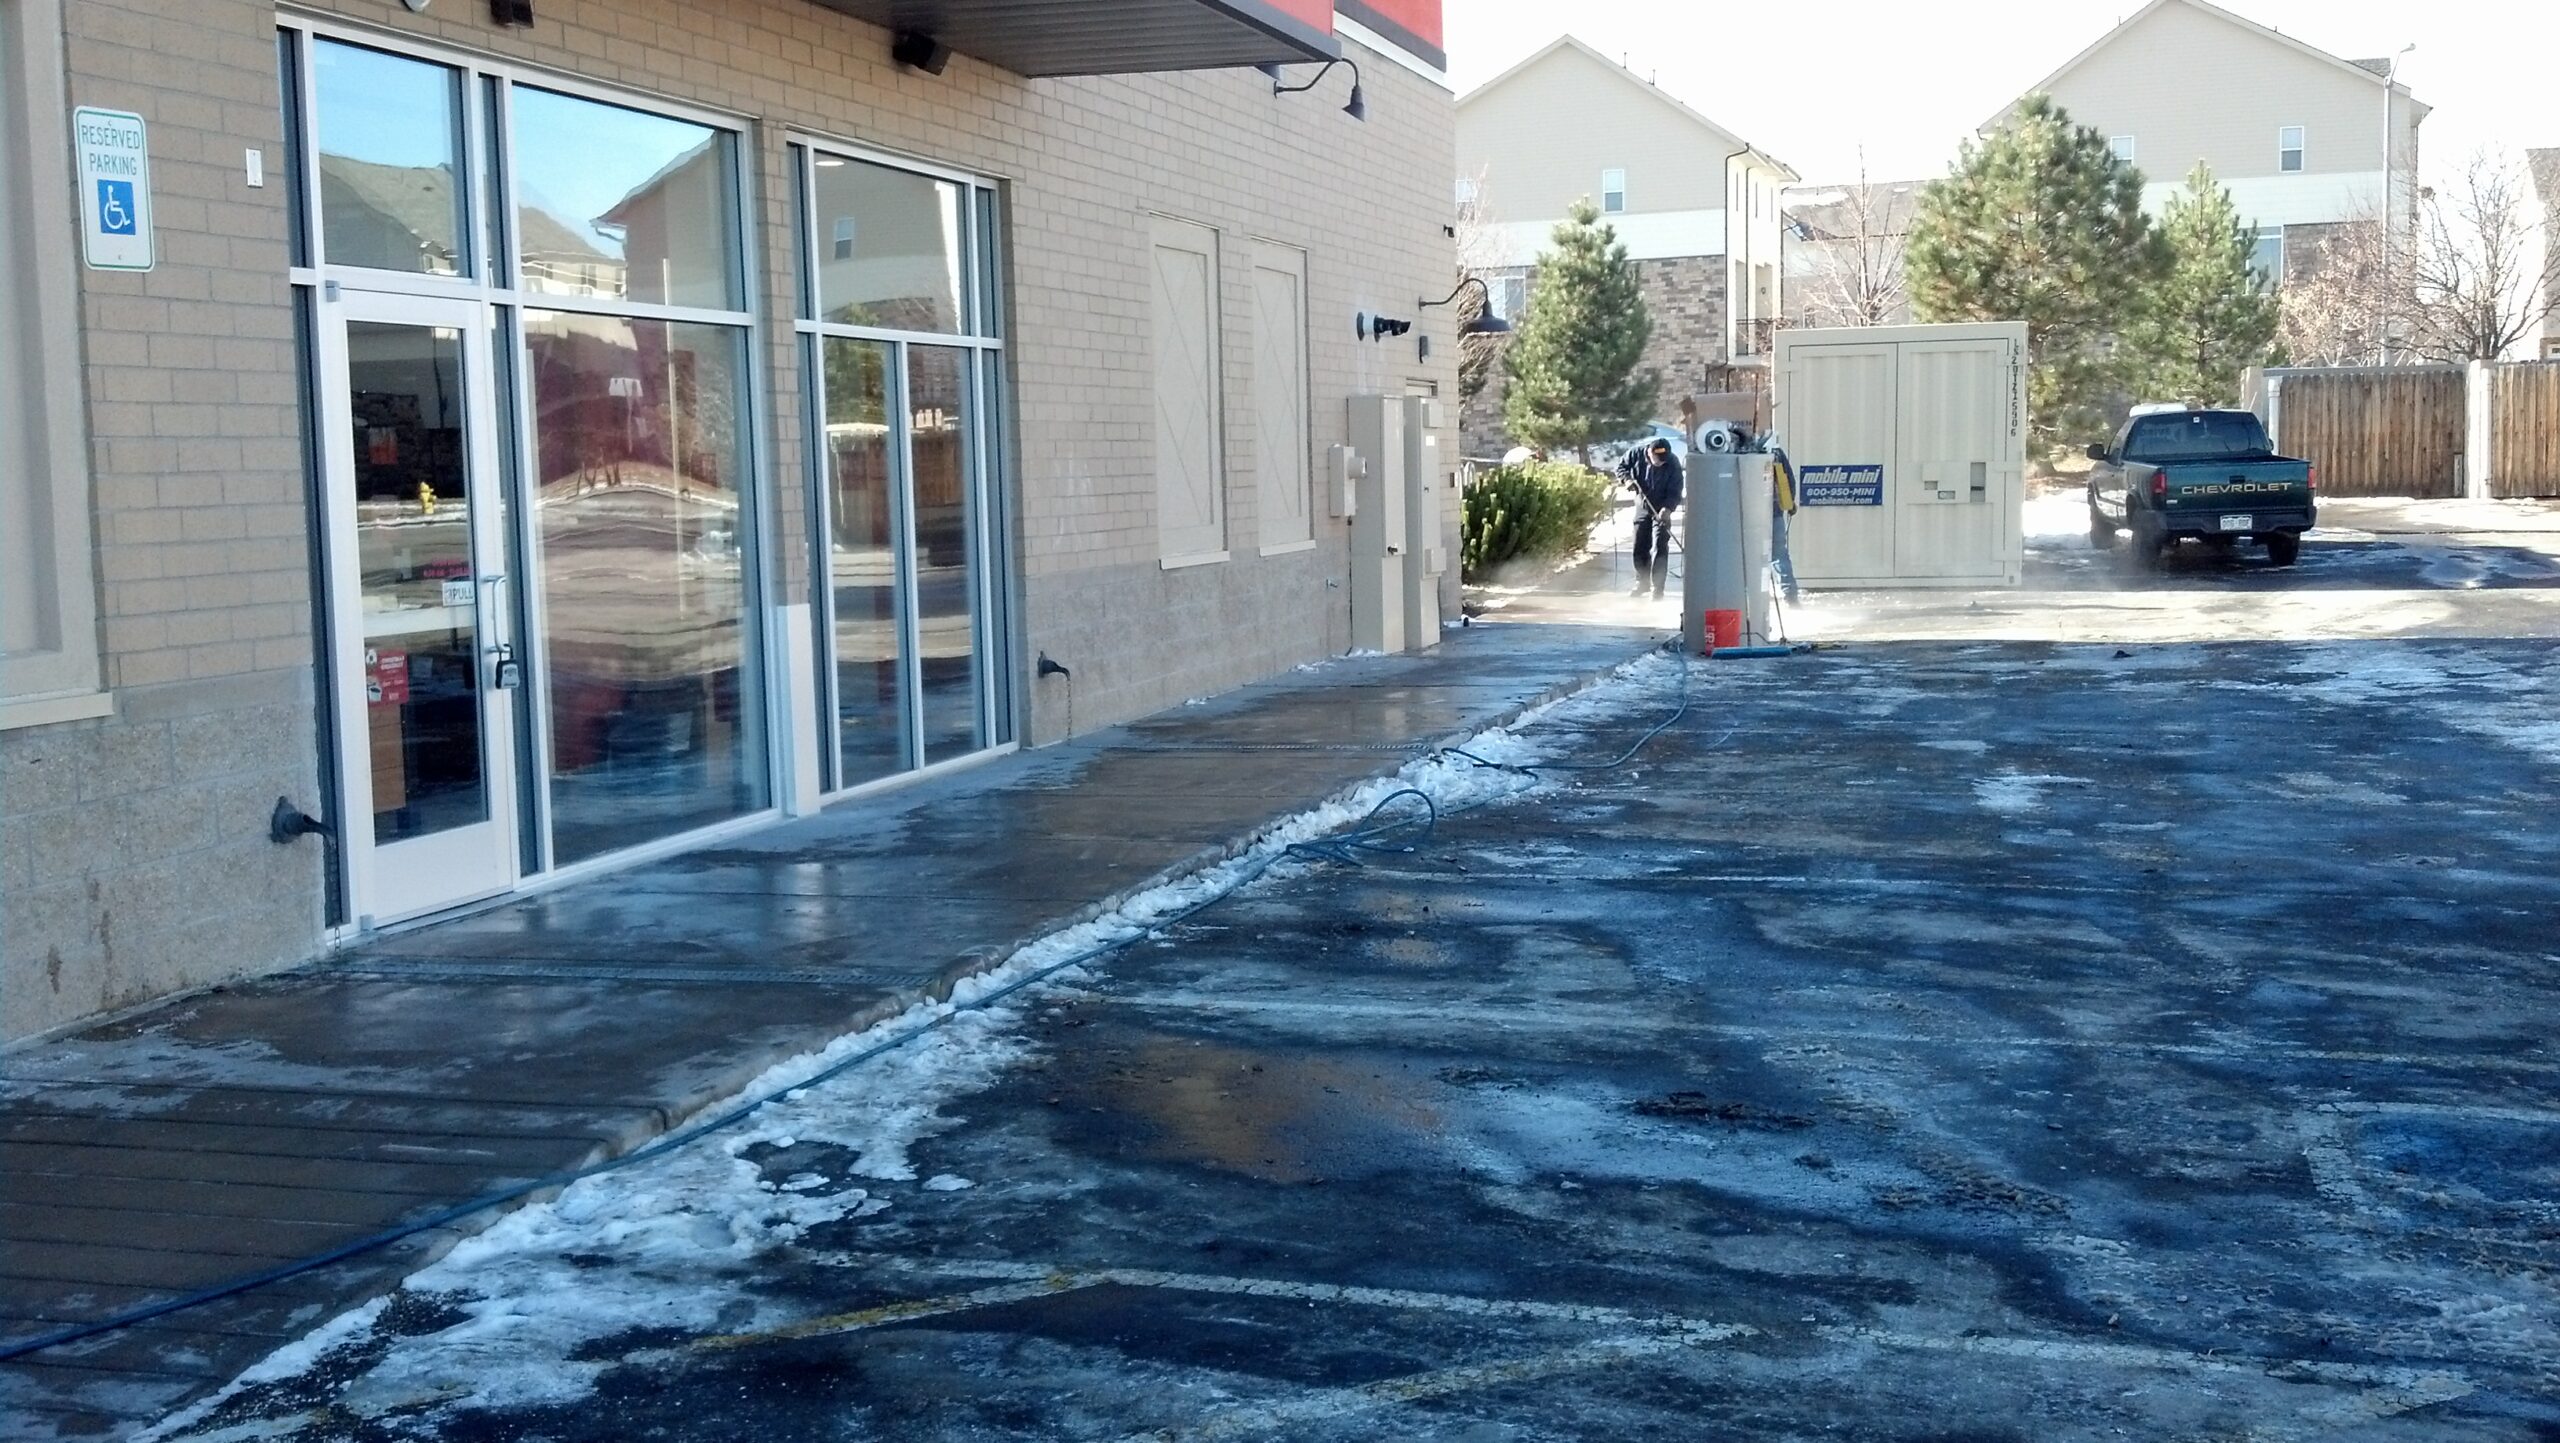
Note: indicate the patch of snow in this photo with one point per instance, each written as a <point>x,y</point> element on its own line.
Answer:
<point>1970,746</point>
<point>2014,793</point>
<point>2056,521</point>
<point>947,1182</point>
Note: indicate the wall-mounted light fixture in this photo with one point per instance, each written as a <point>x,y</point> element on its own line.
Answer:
<point>1357,107</point>
<point>918,51</point>
<point>1486,323</point>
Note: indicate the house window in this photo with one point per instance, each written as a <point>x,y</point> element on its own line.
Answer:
<point>49,664</point>
<point>2289,149</point>
<point>1510,296</point>
<point>1467,190</point>
<point>2122,145</point>
<point>2266,256</point>
<point>1613,191</point>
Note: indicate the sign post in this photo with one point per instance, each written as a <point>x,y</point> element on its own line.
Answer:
<point>115,188</point>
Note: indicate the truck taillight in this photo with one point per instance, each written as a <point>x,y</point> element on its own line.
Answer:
<point>2312,481</point>
<point>2160,485</point>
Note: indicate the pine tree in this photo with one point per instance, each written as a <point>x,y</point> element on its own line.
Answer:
<point>2041,223</point>
<point>1572,364</point>
<point>2212,317</point>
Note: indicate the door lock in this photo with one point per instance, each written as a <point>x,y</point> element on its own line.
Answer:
<point>508,674</point>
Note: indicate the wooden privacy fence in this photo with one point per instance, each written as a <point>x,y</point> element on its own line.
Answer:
<point>2382,431</point>
<point>2478,430</point>
<point>2524,429</point>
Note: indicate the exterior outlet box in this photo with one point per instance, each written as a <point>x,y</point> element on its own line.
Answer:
<point>1910,448</point>
<point>1343,469</point>
<point>1378,523</point>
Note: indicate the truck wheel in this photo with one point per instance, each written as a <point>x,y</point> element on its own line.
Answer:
<point>2151,548</point>
<point>2102,532</point>
<point>2283,547</point>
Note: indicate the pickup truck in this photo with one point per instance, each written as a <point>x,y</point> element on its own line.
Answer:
<point>2179,473</point>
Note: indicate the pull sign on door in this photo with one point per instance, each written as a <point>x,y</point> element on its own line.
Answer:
<point>115,188</point>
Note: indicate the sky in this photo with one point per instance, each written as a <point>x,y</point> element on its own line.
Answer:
<point>1814,83</point>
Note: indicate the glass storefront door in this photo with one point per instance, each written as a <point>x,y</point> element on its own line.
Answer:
<point>530,328</point>
<point>425,658</point>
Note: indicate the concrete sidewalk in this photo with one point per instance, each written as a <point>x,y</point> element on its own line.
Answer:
<point>227,1133</point>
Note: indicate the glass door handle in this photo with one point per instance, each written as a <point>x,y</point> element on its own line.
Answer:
<point>505,672</point>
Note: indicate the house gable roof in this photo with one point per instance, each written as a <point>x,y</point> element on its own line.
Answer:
<point>1580,47</point>
<point>2363,70</point>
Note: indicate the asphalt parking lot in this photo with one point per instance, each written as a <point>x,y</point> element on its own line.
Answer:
<point>2103,1010</point>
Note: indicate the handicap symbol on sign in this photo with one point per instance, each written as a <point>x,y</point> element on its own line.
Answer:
<point>115,208</point>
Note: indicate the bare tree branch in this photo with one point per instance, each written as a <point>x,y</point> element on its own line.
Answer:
<point>1850,256</point>
<point>2474,275</point>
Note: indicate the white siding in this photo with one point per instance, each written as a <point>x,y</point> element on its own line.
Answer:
<point>2189,86</point>
<point>1544,135</point>
<point>1648,237</point>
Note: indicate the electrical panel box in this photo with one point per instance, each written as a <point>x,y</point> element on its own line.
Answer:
<point>1379,534</point>
<point>1343,468</point>
<point>1909,444</point>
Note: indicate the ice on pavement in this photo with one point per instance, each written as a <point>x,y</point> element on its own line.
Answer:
<point>2014,793</point>
<point>671,1243</point>
<point>2470,692</point>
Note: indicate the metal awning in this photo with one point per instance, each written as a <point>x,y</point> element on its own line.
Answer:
<point>1113,37</point>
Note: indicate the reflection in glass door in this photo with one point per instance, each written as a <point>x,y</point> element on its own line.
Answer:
<point>939,416</point>
<point>425,658</point>
<point>864,523</point>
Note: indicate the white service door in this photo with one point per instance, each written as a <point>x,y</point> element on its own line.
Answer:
<point>416,552</point>
<point>1952,518</point>
<point>1840,409</point>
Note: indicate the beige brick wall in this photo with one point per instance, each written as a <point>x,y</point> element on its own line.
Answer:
<point>133,854</point>
<point>135,859</point>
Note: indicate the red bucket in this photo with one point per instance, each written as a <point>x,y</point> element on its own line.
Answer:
<point>1724,629</point>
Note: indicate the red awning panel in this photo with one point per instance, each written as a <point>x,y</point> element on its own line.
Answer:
<point>1412,25</point>
<point>1113,37</point>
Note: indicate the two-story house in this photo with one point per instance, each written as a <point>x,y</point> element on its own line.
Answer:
<point>2303,140</point>
<point>1697,206</point>
<point>2544,166</point>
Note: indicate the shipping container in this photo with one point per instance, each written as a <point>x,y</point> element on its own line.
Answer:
<point>1909,444</point>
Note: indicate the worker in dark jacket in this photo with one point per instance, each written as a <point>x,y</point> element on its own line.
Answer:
<point>1655,473</point>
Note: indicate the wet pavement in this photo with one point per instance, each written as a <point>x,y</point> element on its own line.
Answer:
<point>1926,1039</point>
<point>234,1132</point>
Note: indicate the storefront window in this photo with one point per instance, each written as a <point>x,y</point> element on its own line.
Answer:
<point>900,308</point>
<point>638,469</point>
<point>894,259</point>
<point>389,134</point>
<point>617,204</point>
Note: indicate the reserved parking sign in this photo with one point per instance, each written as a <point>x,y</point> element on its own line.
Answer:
<point>115,188</point>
